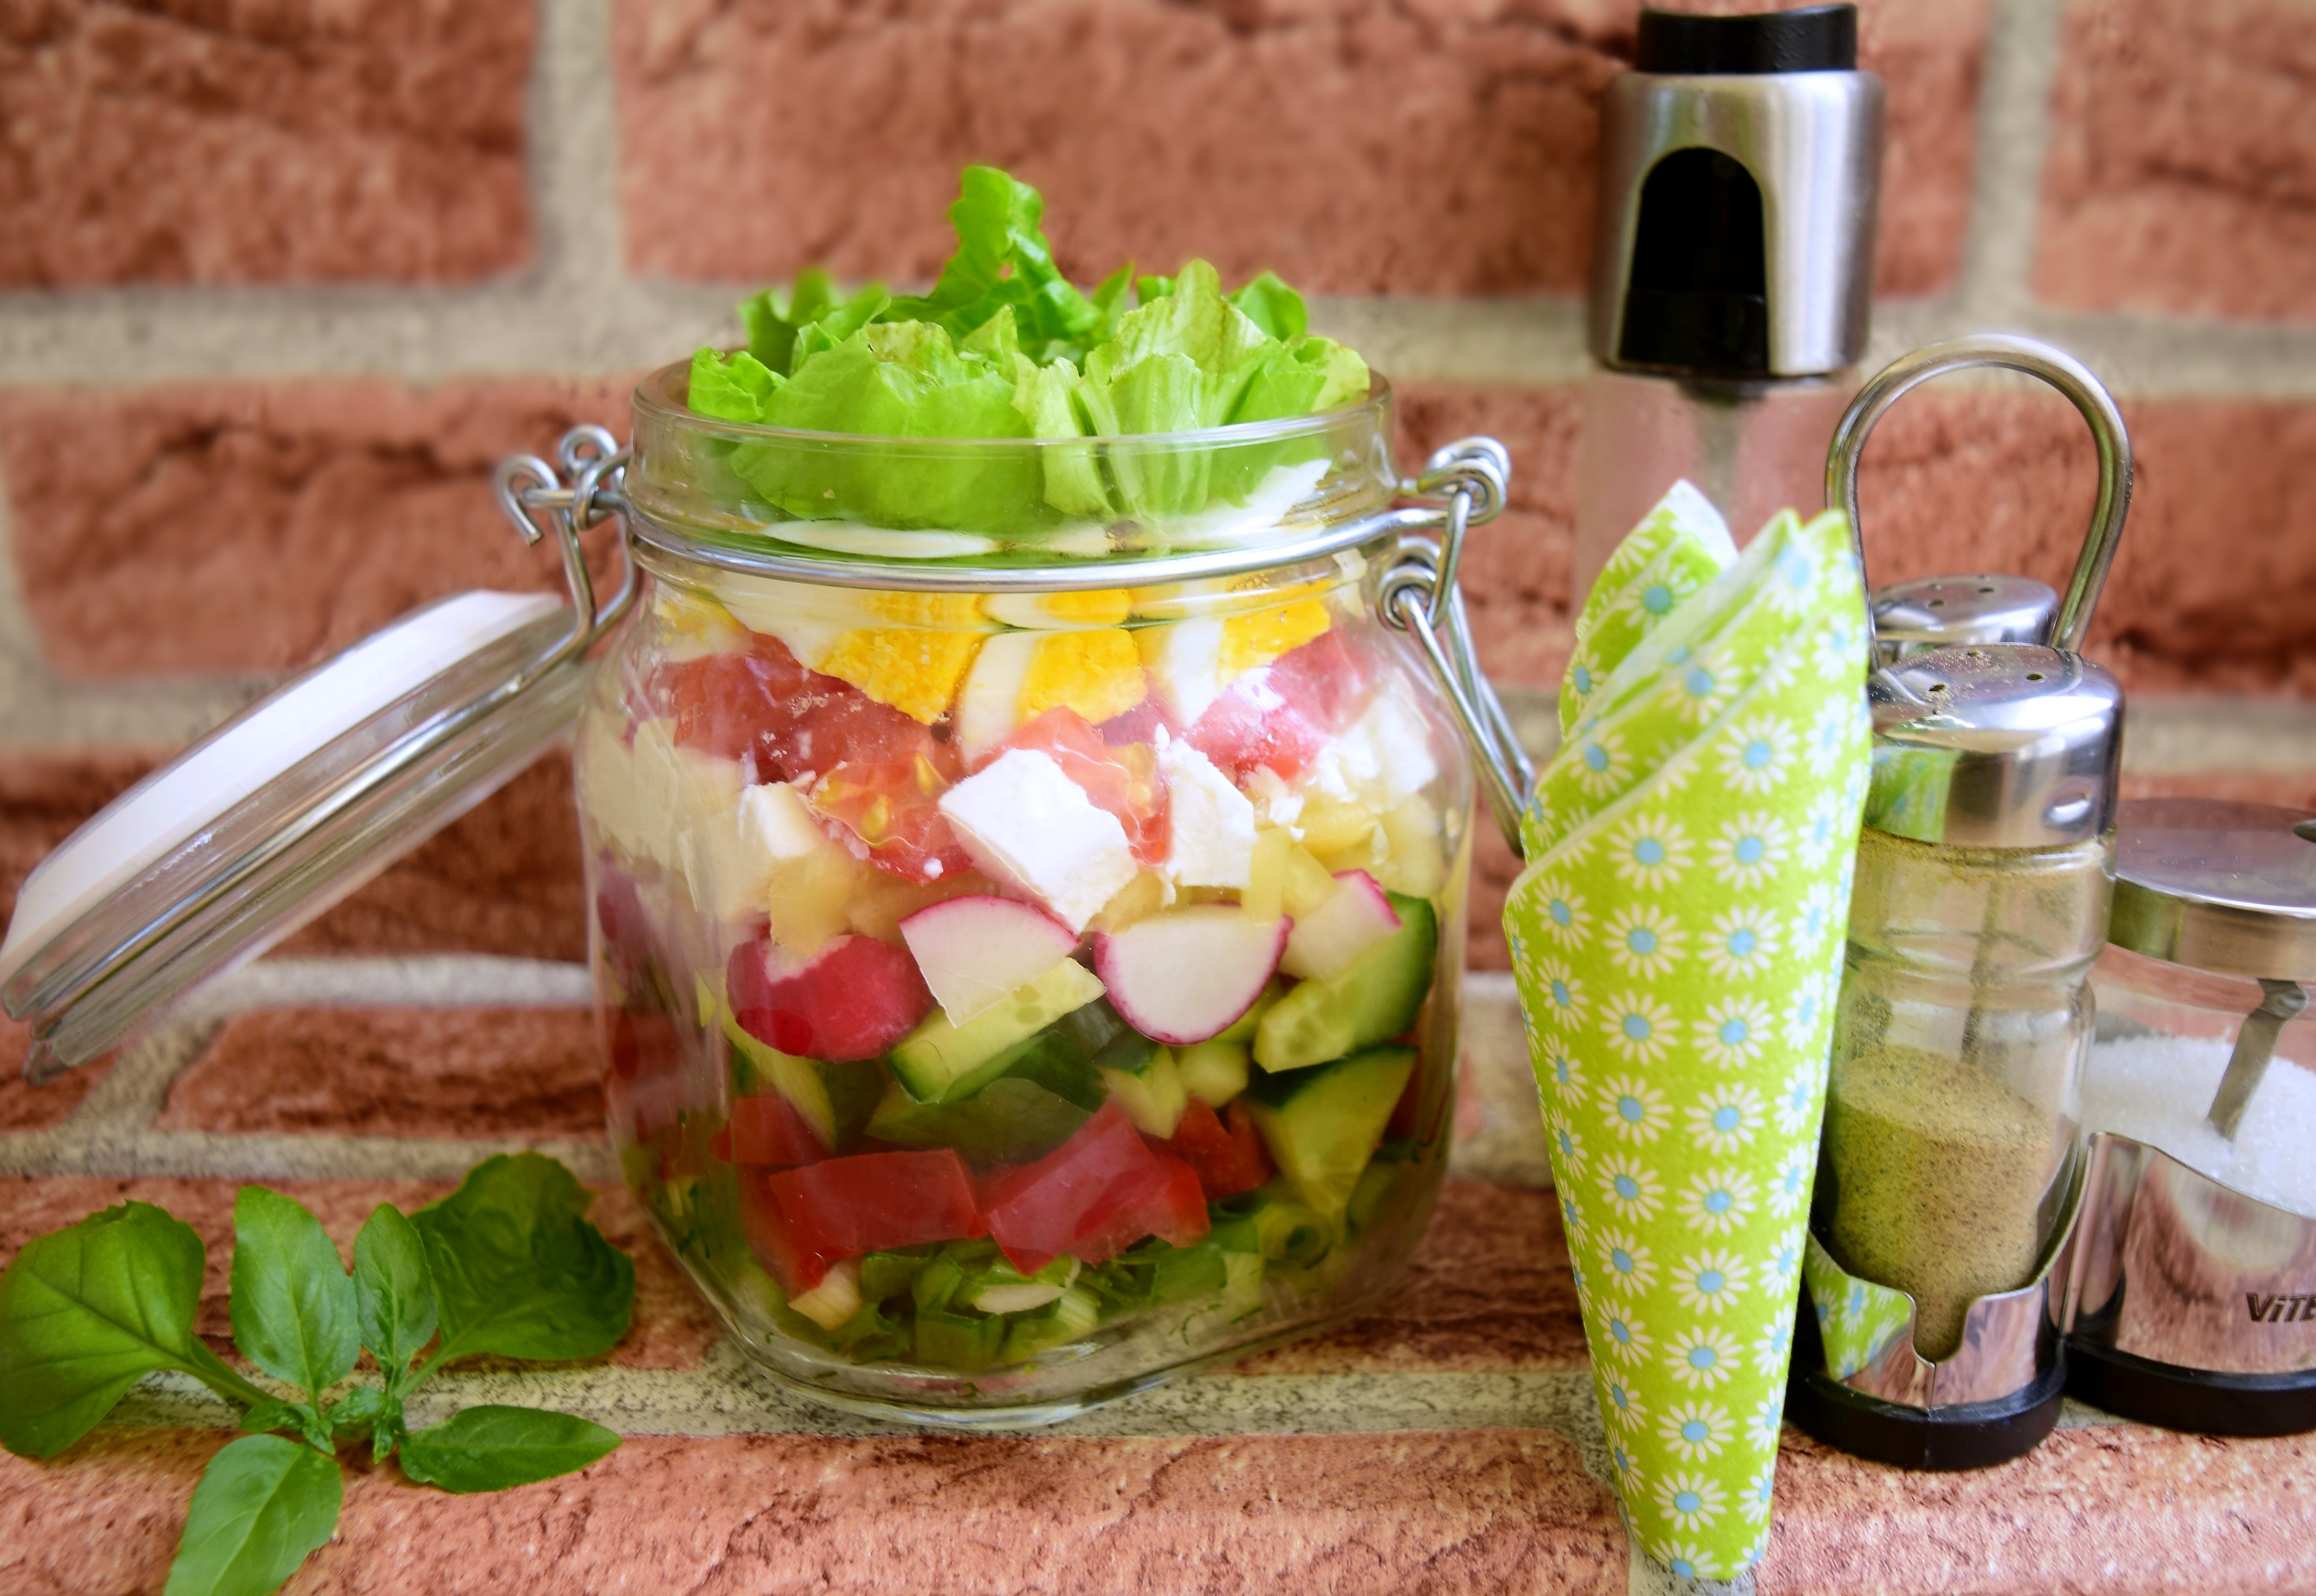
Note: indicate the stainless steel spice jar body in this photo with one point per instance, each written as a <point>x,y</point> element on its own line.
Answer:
<point>1953,1115</point>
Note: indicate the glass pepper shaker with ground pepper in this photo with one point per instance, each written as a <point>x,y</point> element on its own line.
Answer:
<point>1951,1165</point>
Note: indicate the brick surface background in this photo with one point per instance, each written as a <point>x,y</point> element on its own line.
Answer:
<point>281,282</point>
<point>2182,174</point>
<point>380,139</point>
<point>1353,146</point>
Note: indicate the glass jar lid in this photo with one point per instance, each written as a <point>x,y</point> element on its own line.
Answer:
<point>2217,886</point>
<point>298,800</point>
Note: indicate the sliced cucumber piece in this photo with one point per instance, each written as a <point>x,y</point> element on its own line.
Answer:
<point>940,1062</point>
<point>1046,1092</point>
<point>1242,1030</point>
<point>1286,1229</point>
<point>1322,1124</point>
<point>834,1098</point>
<point>1212,1072</point>
<point>1374,1001</point>
<point>1153,1097</point>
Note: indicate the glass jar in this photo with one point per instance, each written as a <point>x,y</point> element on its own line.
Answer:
<point>1953,1113</point>
<point>2194,1262</point>
<point>2207,1045</point>
<point>1028,948</point>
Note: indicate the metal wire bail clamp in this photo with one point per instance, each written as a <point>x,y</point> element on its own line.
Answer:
<point>2054,366</point>
<point>1419,595</point>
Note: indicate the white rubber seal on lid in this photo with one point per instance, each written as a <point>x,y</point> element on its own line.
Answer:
<point>211,780</point>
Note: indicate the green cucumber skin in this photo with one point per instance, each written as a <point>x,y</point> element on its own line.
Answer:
<point>1374,1001</point>
<point>837,1100</point>
<point>1322,1125</point>
<point>941,1063</point>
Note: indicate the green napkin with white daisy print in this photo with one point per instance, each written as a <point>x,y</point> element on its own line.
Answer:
<point>1677,939</point>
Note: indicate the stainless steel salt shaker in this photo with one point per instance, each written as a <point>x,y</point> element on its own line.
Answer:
<point>1951,1164</point>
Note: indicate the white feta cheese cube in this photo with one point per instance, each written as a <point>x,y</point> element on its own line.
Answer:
<point>1029,825</point>
<point>1378,759</point>
<point>728,860</point>
<point>648,796</point>
<point>1211,822</point>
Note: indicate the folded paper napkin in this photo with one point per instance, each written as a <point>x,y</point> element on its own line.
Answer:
<point>1677,937</point>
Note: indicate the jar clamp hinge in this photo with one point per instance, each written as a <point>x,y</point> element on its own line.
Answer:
<point>529,488</point>
<point>1418,593</point>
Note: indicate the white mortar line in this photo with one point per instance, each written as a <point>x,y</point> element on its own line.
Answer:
<point>2021,62</point>
<point>728,1395</point>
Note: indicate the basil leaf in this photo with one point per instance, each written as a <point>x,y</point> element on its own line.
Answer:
<point>88,1311</point>
<point>393,1293</point>
<point>518,1270</point>
<point>299,1418</point>
<point>263,1504</point>
<point>293,1305</point>
<point>493,1447</point>
<point>261,1417</point>
<point>358,1413</point>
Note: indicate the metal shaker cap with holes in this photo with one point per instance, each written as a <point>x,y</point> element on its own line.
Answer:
<point>1934,611</point>
<point>1992,741</point>
<point>1994,746</point>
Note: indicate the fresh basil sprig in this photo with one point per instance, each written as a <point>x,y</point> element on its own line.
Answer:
<point>507,1265</point>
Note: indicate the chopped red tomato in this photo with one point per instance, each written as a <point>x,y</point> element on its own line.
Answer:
<point>1166,1202</point>
<point>1122,780</point>
<point>881,772</point>
<point>800,1221</point>
<point>1093,1196</point>
<point>764,702</point>
<point>1225,1151</point>
<point>1282,714</point>
<point>1138,725</point>
<point>894,806</point>
<point>627,933</point>
<point>852,1000</point>
<point>768,1132</point>
<point>1407,1113</point>
<point>642,1046</point>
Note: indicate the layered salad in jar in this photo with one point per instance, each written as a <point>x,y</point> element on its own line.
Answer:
<point>995,980</point>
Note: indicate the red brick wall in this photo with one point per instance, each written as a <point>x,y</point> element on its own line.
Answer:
<point>283,280</point>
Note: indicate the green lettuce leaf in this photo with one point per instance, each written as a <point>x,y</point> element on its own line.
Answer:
<point>1003,346</point>
<point>772,326</point>
<point>903,380</point>
<point>731,387</point>
<point>1270,305</point>
<point>1003,260</point>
